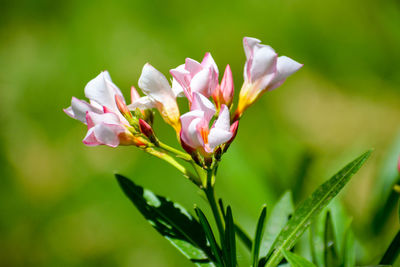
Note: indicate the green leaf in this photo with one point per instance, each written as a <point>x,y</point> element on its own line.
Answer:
<point>296,260</point>
<point>392,252</point>
<point>258,236</point>
<point>348,249</point>
<point>277,220</point>
<point>330,250</point>
<point>384,197</point>
<point>170,220</point>
<point>209,234</point>
<point>244,237</point>
<point>230,241</point>
<point>310,208</point>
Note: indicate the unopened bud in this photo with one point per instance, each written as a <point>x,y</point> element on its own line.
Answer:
<point>146,129</point>
<point>123,108</point>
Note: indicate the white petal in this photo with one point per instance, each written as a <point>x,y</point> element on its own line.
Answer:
<point>154,84</point>
<point>78,109</point>
<point>177,88</point>
<point>285,67</point>
<point>194,136</point>
<point>201,82</point>
<point>248,44</point>
<point>144,102</point>
<point>102,90</point>
<point>224,120</point>
<point>93,119</point>
<point>107,134</point>
<point>200,102</point>
<point>217,137</point>
<point>263,63</point>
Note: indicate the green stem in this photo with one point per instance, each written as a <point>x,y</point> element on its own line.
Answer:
<point>194,178</point>
<point>175,151</point>
<point>209,190</point>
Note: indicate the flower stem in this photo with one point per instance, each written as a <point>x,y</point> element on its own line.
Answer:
<point>175,151</point>
<point>172,161</point>
<point>209,190</point>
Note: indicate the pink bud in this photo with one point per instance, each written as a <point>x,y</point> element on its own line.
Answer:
<point>123,108</point>
<point>223,93</point>
<point>146,129</point>
<point>227,88</point>
<point>134,94</point>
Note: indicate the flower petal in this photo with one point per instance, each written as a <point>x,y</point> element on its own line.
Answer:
<point>192,66</point>
<point>218,136</point>
<point>108,134</point>
<point>144,102</point>
<point>201,82</point>
<point>78,109</point>
<point>285,67</point>
<point>223,121</point>
<point>177,88</point>
<point>208,62</point>
<point>154,84</point>
<point>248,45</point>
<point>263,63</point>
<point>102,90</point>
<point>200,102</point>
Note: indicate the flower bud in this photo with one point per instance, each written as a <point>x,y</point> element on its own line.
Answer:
<point>223,93</point>
<point>146,129</point>
<point>123,108</point>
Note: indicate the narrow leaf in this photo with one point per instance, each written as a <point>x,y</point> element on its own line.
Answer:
<point>209,234</point>
<point>296,260</point>
<point>392,252</point>
<point>244,237</point>
<point>230,239</point>
<point>276,221</point>
<point>348,249</point>
<point>310,208</point>
<point>258,236</point>
<point>330,249</point>
<point>170,220</point>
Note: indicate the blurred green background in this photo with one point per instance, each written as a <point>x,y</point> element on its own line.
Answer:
<point>59,202</point>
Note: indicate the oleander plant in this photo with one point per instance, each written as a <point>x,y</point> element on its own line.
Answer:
<point>205,129</point>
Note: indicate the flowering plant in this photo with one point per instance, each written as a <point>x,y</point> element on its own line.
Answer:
<point>205,133</point>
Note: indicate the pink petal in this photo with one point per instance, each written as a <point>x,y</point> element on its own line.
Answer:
<point>200,102</point>
<point>192,66</point>
<point>134,94</point>
<point>208,62</point>
<point>108,134</point>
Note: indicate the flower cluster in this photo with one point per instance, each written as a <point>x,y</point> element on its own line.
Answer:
<point>210,124</point>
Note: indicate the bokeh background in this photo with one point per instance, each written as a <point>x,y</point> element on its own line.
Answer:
<point>59,202</point>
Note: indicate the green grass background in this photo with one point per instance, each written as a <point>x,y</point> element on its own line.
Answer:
<point>59,202</point>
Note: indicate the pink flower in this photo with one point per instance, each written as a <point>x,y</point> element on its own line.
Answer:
<point>195,77</point>
<point>196,133</point>
<point>106,124</point>
<point>223,93</point>
<point>263,71</point>
<point>159,94</point>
